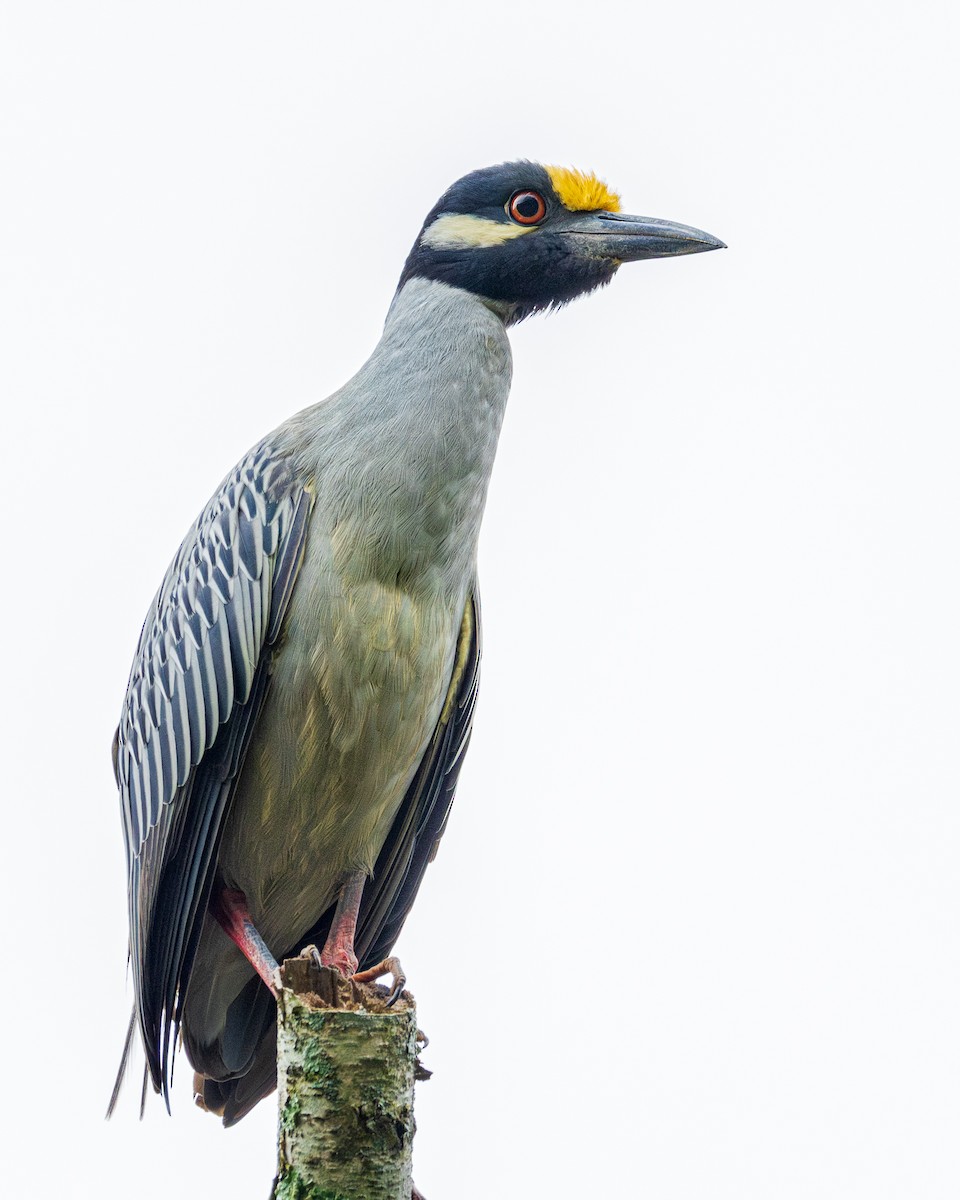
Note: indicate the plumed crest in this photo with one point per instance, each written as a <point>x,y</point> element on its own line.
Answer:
<point>581,191</point>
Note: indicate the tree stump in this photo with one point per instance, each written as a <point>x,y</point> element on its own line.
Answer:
<point>346,1064</point>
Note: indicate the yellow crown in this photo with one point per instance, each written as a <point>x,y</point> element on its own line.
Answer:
<point>582,192</point>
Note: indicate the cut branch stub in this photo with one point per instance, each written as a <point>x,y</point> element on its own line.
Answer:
<point>345,1072</point>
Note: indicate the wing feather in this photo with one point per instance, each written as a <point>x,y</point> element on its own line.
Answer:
<point>198,681</point>
<point>286,571</point>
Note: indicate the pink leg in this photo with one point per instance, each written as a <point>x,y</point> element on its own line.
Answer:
<point>229,906</point>
<point>338,951</point>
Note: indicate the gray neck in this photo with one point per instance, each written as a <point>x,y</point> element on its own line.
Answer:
<point>407,446</point>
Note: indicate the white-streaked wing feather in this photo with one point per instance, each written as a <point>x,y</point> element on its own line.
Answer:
<point>194,677</point>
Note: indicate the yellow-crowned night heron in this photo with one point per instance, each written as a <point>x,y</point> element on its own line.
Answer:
<point>303,690</point>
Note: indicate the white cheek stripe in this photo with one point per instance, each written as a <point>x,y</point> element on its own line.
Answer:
<point>460,231</point>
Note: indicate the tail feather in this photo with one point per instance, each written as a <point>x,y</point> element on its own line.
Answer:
<point>232,1099</point>
<point>124,1063</point>
<point>143,1089</point>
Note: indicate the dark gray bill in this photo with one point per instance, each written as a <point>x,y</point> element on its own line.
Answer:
<point>616,235</point>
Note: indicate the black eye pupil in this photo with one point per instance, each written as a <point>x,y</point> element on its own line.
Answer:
<point>527,206</point>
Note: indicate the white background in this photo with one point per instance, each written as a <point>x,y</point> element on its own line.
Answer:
<point>693,931</point>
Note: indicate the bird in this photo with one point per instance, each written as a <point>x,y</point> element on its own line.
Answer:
<point>302,694</point>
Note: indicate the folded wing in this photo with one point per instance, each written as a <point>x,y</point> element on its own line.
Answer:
<point>199,679</point>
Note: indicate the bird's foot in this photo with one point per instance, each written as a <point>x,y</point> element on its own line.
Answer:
<point>345,964</point>
<point>340,958</point>
<point>389,966</point>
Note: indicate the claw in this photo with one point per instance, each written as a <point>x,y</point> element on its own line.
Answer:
<point>389,966</point>
<point>312,953</point>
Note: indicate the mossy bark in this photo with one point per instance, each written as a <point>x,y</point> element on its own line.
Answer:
<point>345,1066</point>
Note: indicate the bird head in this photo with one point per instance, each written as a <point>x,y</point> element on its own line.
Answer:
<point>527,237</point>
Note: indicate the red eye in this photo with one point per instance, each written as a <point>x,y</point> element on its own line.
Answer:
<point>527,208</point>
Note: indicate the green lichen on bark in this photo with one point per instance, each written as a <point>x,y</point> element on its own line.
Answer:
<point>290,1186</point>
<point>345,1074</point>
